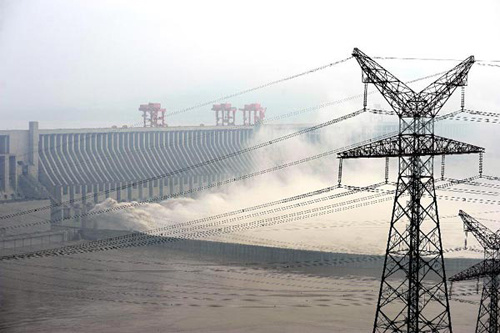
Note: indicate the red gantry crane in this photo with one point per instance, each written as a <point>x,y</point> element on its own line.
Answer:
<point>153,114</point>
<point>225,114</point>
<point>253,114</point>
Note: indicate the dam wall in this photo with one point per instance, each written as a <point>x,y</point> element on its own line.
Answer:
<point>77,168</point>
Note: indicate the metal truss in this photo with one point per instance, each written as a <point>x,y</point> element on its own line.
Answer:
<point>488,269</point>
<point>407,145</point>
<point>479,270</point>
<point>405,101</point>
<point>437,93</point>
<point>413,292</point>
<point>489,240</point>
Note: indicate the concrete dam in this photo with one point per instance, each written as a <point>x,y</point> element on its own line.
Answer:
<point>68,165</point>
<point>71,170</point>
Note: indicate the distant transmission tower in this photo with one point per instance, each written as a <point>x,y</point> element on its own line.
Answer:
<point>489,269</point>
<point>413,293</point>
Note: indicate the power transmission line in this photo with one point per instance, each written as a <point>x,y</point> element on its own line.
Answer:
<point>204,163</point>
<point>290,265</point>
<point>143,239</point>
<point>147,238</point>
<point>155,199</point>
<point>207,103</point>
<point>265,85</point>
<point>140,182</point>
<point>479,61</point>
<point>168,196</point>
<point>279,117</point>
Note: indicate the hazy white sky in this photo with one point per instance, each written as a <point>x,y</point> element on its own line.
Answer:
<point>78,63</point>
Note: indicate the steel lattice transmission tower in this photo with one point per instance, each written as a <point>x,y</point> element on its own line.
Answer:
<point>489,269</point>
<point>413,292</point>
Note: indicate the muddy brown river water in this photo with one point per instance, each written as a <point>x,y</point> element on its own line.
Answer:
<point>195,287</point>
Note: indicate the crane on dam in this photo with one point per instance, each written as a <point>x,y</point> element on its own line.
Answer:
<point>413,294</point>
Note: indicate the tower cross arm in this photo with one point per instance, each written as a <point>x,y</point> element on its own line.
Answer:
<point>434,96</point>
<point>409,145</point>
<point>396,93</point>
<point>487,238</point>
<point>485,268</point>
